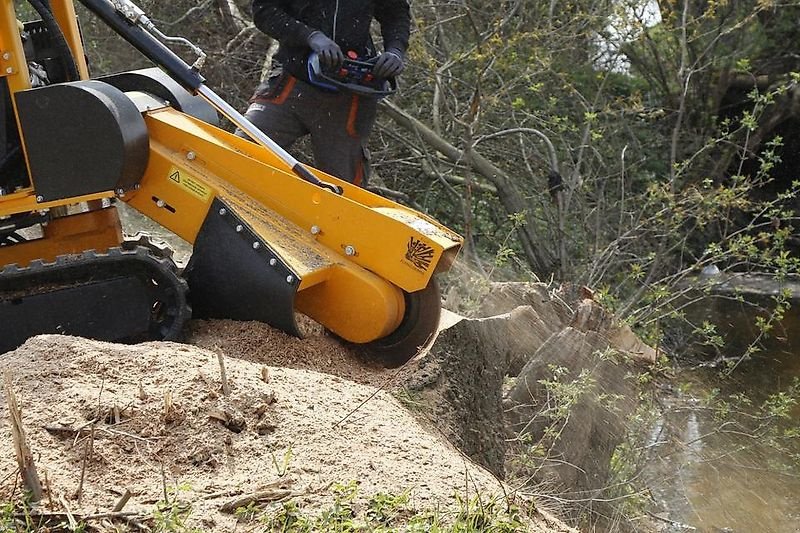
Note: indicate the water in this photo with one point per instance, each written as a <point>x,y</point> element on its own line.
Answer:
<point>718,480</point>
<point>711,476</point>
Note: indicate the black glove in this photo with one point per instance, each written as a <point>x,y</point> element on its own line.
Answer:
<point>330,55</point>
<point>389,64</point>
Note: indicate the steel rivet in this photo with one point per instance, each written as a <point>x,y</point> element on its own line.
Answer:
<point>289,279</point>
<point>6,56</point>
<point>273,262</point>
<point>349,250</point>
<point>161,203</point>
<point>315,230</point>
<point>223,212</point>
<point>239,228</point>
<point>9,70</point>
<point>256,245</point>
<point>40,198</point>
<point>191,156</point>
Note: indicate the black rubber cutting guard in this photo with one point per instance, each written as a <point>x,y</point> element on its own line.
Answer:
<point>237,275</point>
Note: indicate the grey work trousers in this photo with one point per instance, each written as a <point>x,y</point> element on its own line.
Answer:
<point>287,108</point>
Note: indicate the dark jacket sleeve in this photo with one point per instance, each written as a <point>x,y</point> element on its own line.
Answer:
<point>395,21</point>
<point>273,18</point>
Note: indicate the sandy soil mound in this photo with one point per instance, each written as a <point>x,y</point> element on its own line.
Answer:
<point>162,416</point>
<point>261,343</point>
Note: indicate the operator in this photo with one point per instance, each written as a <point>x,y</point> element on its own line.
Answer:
<point>286,106</point>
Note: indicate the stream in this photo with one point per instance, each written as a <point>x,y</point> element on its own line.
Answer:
<point>708,476</point>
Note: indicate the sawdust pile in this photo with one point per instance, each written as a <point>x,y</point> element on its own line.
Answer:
<point>260,343</point>
<point>161,418</point>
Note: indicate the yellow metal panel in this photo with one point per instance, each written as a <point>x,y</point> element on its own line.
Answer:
<point>402,249</point>
<point>24,201</point>
<point>355,304</point>
<point>64,12</point>
<point>12,56</point>
<point>161,198</point>
<point>310,261</point>
<point>95,230</point>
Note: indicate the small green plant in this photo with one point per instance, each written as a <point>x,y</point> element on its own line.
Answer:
<point>18,516</point>
<point>478,515</point>
<point>391,513</point>
<point>287,519</point>
<point>385,508</point>
<point>7,517</point>
<point>341,514</point>
<point>283,466</point>
<point>172,517</point>
<point>171,514</point>
<point>247,513</point>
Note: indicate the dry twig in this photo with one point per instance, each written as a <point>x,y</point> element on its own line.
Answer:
<point>73,524</point>
<point>270,495</point>
<point>226,388</point>
<point>23,452</point>
<point>122,501</point>
<point>88,451</point>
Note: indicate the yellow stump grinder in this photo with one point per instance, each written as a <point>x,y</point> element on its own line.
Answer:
<point>270,236</point>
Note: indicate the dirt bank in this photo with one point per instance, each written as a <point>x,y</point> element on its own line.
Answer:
<point>160,418</point>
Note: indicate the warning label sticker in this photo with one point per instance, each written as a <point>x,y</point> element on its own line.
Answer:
<point>182,179</point>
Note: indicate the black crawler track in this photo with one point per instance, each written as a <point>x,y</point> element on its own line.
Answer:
<point>130,293</point>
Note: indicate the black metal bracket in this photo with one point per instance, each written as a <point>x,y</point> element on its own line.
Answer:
<point>234,273</point>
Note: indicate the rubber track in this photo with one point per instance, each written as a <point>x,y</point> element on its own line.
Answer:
<point>138,258</point>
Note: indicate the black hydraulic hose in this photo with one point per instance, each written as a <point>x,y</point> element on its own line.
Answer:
<point>42,7</point>
<point>148,45</point>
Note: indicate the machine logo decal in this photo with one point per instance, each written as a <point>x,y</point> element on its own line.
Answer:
<point>190,184</point>
<point>419,253</point>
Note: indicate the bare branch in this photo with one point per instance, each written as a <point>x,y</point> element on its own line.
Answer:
<point>536,253</point>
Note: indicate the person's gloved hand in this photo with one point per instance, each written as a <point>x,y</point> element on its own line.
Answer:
<point>389,64</point>
<point>330,55</point>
